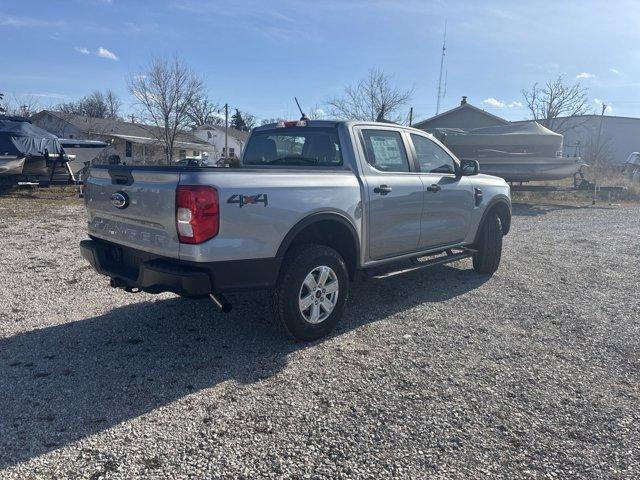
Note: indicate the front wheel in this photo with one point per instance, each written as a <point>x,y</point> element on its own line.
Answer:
<point>489,246</point>
<point>312,291</point>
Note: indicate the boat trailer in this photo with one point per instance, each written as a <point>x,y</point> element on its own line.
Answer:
<point>580,184</point>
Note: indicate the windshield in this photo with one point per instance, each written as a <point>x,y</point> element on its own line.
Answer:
<point>299,146</point>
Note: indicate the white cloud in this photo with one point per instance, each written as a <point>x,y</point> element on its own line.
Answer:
<point>59,96</point>
<point>82,50</point>
<point>493,102</point>
<point>104,53</point>
<point>585,75</point>
<point>598,102</point>
<point>26,22</point>
<point>318,113</point>
<point>614,70</point>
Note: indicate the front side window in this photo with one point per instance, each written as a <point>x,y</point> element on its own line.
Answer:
<point>294,146</point>
<point>431,157</point>
<point>385,150</point>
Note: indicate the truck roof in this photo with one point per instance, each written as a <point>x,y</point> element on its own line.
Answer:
<point>348,123</point>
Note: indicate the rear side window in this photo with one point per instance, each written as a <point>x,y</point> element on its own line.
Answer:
<point>299,146</point>
<point>385,150</point>
<point>431,157</point>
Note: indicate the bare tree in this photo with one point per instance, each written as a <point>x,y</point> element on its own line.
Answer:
<point>250,120</point>
<point>554,103</point>
<point>114,104</point>
<point>95,105</point>
<point>165,94</point>
<point>22,106</point>
<point>374,98</point>
<point>203,110</point>
<point>267,121</point>
<point>316,113</point>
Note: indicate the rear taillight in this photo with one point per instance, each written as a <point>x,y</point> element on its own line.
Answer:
<point>197,213</point>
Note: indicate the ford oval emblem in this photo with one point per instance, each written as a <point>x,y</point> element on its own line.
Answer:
<point>120,200</point>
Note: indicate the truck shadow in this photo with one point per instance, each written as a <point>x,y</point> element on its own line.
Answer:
<point>65,382</point>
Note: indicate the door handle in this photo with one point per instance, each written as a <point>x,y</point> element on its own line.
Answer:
<point>382,189</point>
<point>434,188</point>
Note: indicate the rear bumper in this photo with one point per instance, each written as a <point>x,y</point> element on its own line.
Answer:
<point>135,269</point>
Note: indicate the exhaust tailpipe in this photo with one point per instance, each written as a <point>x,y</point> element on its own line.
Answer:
<point>116,283</point>
<point>221,302</point>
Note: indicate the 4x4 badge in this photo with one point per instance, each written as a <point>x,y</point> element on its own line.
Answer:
<point>243,200</point>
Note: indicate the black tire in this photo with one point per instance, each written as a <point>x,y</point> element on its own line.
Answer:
<point>489,245</point>
<point>298,263</point>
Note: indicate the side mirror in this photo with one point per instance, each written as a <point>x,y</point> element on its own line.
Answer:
<point>469,168</point>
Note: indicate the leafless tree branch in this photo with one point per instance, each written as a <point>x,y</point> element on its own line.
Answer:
<point>373,98</point>
<point>165,94</point>
<point>204,111</point>
<point>554,103</point>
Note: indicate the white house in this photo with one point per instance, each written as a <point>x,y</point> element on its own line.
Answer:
<point>133,143</point>
<point>214,135</point>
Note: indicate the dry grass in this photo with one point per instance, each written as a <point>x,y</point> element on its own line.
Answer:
<point>67,195</point>
<point>25,203</point>
<point>606,177</point>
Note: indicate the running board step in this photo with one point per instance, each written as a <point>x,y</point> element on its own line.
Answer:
<point>432,262</point>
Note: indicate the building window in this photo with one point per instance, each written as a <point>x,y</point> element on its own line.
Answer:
<point>128,147</point>
<point>231,151</point>
<point>196,153</point>
<point>209,135</point>
<point>182,154</point>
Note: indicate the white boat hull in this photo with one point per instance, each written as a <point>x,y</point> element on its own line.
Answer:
<point>530,169</point>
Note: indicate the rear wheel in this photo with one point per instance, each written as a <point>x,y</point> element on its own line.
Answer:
<point>311,293</point>
<point>489,245</point>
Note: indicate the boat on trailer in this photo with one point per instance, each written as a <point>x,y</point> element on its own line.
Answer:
<point>81,152</point>
<point>29,154</point>
<point>25,149</point>
<point>518,152</point>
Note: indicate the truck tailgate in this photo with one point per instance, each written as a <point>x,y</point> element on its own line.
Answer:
<point>134,207</point>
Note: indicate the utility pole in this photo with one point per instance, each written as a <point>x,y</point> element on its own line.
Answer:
<point>411,116</point>
<point>597,154</point>
<point>226,130</point>
<point>444,48</point>
<point>133,118</point>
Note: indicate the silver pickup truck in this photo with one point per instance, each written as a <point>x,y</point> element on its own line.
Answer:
<point>313,206</point>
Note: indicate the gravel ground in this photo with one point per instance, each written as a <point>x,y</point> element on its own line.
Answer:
<point>532,373</point>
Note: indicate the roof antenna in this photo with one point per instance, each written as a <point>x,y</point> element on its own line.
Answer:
<point>303,117</point>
